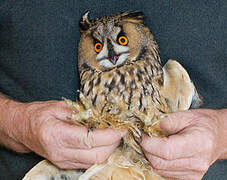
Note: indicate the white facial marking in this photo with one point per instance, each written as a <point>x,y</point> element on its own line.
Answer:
<point>122,51</point>
<point>107,64</point>
<point>122,58</point>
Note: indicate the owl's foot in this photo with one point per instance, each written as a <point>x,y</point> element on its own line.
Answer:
<point>151,123</point>
<point>83,113</point>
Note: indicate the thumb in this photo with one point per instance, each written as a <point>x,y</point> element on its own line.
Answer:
<point>178,121</point>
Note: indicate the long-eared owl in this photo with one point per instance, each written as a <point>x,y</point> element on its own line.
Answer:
<point>119,57</point>
<point>124,86</point>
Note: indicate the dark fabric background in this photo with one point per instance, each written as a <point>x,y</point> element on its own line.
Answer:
<point>38,53</point>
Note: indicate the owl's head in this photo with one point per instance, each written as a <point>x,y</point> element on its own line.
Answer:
<point>112,41</point>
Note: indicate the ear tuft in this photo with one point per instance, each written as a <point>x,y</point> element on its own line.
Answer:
<point>84,23</point>
<point>133,16</point>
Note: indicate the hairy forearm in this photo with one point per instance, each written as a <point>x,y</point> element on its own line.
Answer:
<point>8,109</point>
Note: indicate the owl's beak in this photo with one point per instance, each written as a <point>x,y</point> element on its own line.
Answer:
<point>111,53</point>
<point>113,59</point>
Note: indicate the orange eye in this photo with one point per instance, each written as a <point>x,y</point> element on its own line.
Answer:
<point>122,40</point>
<point>98,47</point>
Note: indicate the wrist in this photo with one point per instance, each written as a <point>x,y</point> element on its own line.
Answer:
<point>9,124</point>
<point>222,119</point>
<point>5,116</point>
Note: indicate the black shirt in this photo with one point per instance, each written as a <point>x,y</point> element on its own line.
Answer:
<point>38,53</point>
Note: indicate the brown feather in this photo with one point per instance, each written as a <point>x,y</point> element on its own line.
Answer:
<point>134,95</point>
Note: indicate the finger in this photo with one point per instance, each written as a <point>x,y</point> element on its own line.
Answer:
<point>178,121</point>
<point>92,156</point>
<point>80,137</point>
<point>72,165</point>
<point>103,137</point>
<point>175,146</point>
<point>184,164</point>
<point>179,175</point>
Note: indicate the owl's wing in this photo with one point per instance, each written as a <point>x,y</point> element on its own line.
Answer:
<point>178,89</point>
<point>44,170</point>
<point>123,164</point>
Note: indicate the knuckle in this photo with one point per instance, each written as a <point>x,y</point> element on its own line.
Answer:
<point>45,137</point>
<point>203,166</point>
<point>196,175</point>
<point>62,165</point>
<point>100,157</point>
<point>52,157</point>
<point>168,154</point>
<point>209,144</point>
<point>155,162</point>
<point>46,142</point>
<point>55,157</point>
<point>89,140</point>
<point>193,177</point>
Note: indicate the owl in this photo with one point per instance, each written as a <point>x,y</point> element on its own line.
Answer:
<point>123,86</point>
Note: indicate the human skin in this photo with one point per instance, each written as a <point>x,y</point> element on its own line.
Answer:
<point>44,127</point>
<point>197,138</point>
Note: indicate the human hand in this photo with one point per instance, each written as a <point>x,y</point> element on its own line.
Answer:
<point>195,141</point>
<point>44,128</point>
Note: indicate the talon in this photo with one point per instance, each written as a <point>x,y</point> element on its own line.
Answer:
<point>68,102</point>
<point>151,123</point>
<point>84,101</point>
<point>144,118</point>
